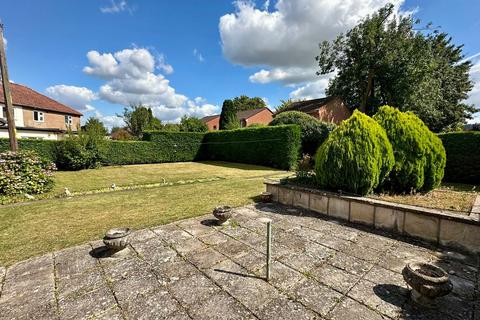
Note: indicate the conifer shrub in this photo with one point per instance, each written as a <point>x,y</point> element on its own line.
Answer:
<point>419,154</point>
<point>356,157</point>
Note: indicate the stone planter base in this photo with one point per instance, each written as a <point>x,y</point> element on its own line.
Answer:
<point>438,226</point>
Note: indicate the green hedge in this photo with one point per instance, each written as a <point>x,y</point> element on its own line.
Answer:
<point>276,146</point>
<point>463,156</point>
<point>270,146</point>
<point>158,147</point>
<point>46,149</point>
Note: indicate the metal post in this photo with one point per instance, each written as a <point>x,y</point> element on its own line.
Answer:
<point>269,248</point>
<point>12,132</point>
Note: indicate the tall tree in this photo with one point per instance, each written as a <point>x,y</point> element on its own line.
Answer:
<point>95,126</point>
<point>385,60</point>
<point>139,118</point>
<point>243,102</point>
<point>228,116</point>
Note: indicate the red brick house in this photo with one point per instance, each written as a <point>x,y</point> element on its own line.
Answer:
<point>246,118</point>
<point>36,115</point>
<point>329,109</point>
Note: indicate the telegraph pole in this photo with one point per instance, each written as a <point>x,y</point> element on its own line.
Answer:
<point>12,132</point>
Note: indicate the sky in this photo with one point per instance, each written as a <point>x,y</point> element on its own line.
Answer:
<point>186,57</point>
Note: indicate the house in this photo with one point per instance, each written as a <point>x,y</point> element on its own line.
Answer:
<point>36,115</point>
<point>246,118</point>
<point>329,109</point>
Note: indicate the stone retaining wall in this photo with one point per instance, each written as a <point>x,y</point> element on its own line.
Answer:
<point>439,226</point>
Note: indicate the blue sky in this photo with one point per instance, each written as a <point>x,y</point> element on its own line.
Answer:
<point>186,57</point>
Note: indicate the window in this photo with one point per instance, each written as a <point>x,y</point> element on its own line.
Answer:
<point>38,116</point>
<point>68,120</point>
<point>214,127</point>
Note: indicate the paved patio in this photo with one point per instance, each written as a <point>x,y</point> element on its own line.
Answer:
<point>193,269</point>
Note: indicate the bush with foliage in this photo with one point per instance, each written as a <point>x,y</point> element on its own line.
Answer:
<point>463,156</point>
<point>45,149</point>
<point>24,172</point>
<point>121,134</point>
<point>276,147</point>
<point>314,131</point>
<point>192,124</point>
<point>80,151</point>
<point>228,116</point>
<point>419,154</point>
<point>356,157</point>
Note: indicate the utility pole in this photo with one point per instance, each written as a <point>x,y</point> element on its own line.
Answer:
<point>12,132</point>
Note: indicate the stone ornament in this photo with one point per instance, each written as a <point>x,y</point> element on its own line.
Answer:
<point>223,214</point>
<point>427,282</point>
<point>116,239</point>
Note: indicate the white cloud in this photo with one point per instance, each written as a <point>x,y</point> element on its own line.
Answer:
<point>131,78</point>
<point>163,65</point>
<point>284,41</point>
<point>109,121</point>
<point>117,7</point>
<point>198,55</point>
<point>76,97</point>
<point>312,90</point>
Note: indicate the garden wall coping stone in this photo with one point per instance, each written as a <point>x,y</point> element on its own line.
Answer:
<point>443,227</point>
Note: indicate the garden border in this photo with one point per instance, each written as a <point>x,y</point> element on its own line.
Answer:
<point>442,227</point>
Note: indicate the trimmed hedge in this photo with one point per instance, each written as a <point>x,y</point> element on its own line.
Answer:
<point>270,146</point>
<point>463,156</point>
<point>356,157</point>
<point>276,146</point>
<point>46,149</point>
<point>419,154</point>
<point>158,147</point>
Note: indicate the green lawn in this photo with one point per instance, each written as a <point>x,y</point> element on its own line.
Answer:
<point>34,228</point>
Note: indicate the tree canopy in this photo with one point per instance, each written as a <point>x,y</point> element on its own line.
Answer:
<point>384,60</point>
<point>243,102</point>
<point>228,116</point>
<point>192,124</point>
<point>95,126</point>
<point>139,118</point>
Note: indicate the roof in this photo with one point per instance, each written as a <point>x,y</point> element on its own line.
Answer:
<point>26,97</point>
<point>240,114</point>
<point>309,105</point>
<point>210,118</point>
<point>249,113</point>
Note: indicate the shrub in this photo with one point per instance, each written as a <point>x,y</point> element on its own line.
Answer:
<point>419,154</point>
<point>24,172</point>
<point>276,147</point>
<point>314,131</point>
<point>463,156</point>
<point>356,157</point>
<point>121,134</point>
<point>82,151</point>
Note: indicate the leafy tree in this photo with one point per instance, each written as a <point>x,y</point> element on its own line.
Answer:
<point>384,60</point>
<point>95,126</point>
<point>228,116</point>
<point>171,127</point>
<point>139,118</point>
<point>243,102</point>
<point>285,104</point>
<point>192,124</point>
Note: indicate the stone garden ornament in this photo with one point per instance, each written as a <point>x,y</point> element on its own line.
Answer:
<point>427,282</point>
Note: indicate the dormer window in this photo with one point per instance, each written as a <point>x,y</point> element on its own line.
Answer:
<point>68,121</point>
<point>38,116</point>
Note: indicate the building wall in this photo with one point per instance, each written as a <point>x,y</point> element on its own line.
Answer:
<point>213,124</point>
<point>17,115</point>
<point>334,111</point>
<point>263,117</point>
<point>51,120</point>
<point>24,134</point>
